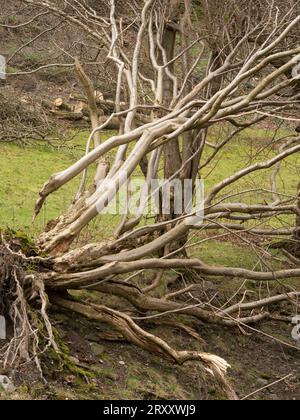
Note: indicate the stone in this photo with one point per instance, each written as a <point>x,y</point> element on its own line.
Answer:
<point>262,382</point>
<point>6,384</point>
<point>97,349</point>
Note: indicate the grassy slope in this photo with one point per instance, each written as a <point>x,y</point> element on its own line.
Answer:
<point>23,171</point>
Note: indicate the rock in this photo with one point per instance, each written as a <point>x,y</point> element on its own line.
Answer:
<point>97,349</point>
<point>262,382</point>
<point>6,384</point>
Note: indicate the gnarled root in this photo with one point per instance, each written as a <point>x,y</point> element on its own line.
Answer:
<point>125,325</point>
<point>23,303</point>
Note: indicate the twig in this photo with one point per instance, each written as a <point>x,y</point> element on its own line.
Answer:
<point>266,387</point>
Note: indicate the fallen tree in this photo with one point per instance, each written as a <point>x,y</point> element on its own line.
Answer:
<point>238,89</point>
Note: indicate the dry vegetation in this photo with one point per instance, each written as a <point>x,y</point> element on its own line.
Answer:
<point>193,90</point>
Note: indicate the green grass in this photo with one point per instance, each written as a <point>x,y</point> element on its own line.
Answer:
<point>24,170</point>
<point>245,150</point>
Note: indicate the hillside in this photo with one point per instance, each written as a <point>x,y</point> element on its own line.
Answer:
<point>167,296</point>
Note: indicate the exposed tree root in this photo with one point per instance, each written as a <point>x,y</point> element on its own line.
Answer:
<point>145,303</point>
<point>26,281</point>
<point>136,335</point>
<point>23,302</point>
